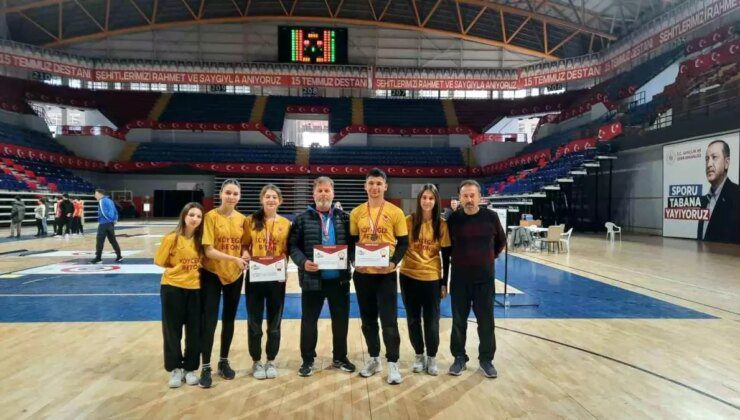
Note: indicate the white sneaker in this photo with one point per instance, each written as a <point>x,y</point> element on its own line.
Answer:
<point>419,364</point>
<point>191,378</point>
<point>394,374</point>
<point>372,366</point>
<point>258,370</point>
<point>176,378</point>
<point>432,368</point>
<point>271,370</point>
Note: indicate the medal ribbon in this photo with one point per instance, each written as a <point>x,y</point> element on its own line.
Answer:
<point>374,226</point>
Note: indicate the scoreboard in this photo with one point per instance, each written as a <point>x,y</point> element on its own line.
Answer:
<point>312,45</point>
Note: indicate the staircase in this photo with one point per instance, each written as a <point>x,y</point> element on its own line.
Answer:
<point>20,173</point>
<point>302,156</point>
<point>128,151</point>
<point>450,116</point>
<point>258,110</point>
<point>159,107</point>
<point>358,112</point>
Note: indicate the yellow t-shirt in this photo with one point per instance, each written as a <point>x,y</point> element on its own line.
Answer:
<point>391,223</point>
<point>180,260</point>
<point>225,234</point>
<point>422,261</point>
<point>256,241</point>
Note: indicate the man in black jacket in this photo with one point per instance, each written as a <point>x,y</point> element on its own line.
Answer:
<point>723,200</point>
<point>67,210</point>
<point>322,224</point>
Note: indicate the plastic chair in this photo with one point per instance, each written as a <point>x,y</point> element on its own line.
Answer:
<point>612,230</point>
<point>553,236</point>
<point>565,239</point>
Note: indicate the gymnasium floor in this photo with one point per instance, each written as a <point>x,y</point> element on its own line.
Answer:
<point>643,328</point>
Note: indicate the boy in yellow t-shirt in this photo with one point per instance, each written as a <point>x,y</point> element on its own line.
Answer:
<point>422,286</point>
<point>266,235</point>
<point>378,221</point>
<point>180,255</point>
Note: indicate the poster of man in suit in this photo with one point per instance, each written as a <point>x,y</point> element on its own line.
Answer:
<point>701,192</point>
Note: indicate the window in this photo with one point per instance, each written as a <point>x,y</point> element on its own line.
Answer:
<point>476,94</point>
<point>161,87</point>
<point>97,85</point>
<point>495,94</point>
<point>520,93</point>
<point>74,83</point>
<point>507,94</point>
<point>242,89</point>
<point>139,86</point>
<point>187,88</point>
<point>54,80</point>
<point>117,86</point>
<point>381,93</point>
<point>535,92</point>
<point>433,94</point>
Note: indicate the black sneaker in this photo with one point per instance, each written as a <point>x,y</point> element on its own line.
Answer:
<point>119,259</point>
<point>344,364</point>
<point>96,261</point>
<point>205,378</point>
<point>458,366</point>
<point>488,370</point>
<point>225,371</point>
<point>306,368</point>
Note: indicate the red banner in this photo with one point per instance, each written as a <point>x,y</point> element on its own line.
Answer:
<point>51,157</point>
<point>403,131</point>
<point>610,131</point>
<point>49,65</point>
<point>719,35</point>
<point>201,126</point>
<point>485,138</point>
<point>68,130</point>
<point>307,109</point>
<point>720,56</point>
<point>528,159</point>
<point>282,169</point>
<point>239,79</point>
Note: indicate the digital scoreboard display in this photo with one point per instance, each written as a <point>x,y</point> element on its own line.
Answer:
<point>312,45</point>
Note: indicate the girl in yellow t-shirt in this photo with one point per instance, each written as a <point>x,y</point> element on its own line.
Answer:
<point>266,235</point>
<point>180,255</point>
<point>223,233</point>
<point>422,287</point>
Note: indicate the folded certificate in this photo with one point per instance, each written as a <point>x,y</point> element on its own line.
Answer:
<point>267,269</point>
<point>372,255</point>
<point>330,257</point>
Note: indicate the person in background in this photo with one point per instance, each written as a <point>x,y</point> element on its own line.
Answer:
<point>77,217</point>
<point>454,204</point>
<point>107,218</point>
<point>66,210</point>
<point>17,213</point>
<point>57,215</point>
<point>39,213</point>
<point>48,211</point>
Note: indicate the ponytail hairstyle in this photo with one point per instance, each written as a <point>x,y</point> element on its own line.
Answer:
<point>258,218</point>
<point>418,217</point>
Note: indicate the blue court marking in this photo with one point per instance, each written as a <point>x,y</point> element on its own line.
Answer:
<point>135,297</point>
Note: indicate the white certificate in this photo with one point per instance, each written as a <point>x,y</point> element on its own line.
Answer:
<point>267,269</point>
<point>330,257</point>
<point>372,255</point>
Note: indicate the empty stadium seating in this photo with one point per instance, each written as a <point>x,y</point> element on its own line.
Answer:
<point>194,107</point>
<point>404,113</point>
<point>167,152</point>
<point>406,156</point>
<point>28,138</point>
<point>37,174</point>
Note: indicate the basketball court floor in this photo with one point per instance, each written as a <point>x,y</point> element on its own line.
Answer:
<point>645,327</point>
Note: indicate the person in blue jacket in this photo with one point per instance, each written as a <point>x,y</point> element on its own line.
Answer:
<point>107,218</point>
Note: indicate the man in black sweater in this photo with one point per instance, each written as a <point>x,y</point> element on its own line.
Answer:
<point>322,224</point>
<point>67,210</point>
<point>477,239</point>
